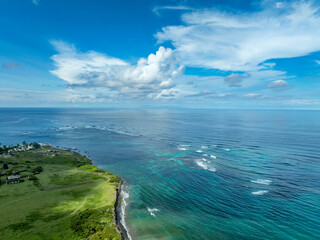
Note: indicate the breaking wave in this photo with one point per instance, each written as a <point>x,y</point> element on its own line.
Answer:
<point>125,196</point>
<point>203,165</point>
<point>102,128</point>
<point>260,192</point>
<point>182,148</point>
<point>152,211</point>
<point>261,181</point>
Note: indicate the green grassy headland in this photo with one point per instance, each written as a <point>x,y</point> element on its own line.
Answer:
<point>61,196</point>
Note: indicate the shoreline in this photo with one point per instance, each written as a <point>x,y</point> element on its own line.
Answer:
<point>118,202</point>
<point>117,214</point>
<point>117,205</point>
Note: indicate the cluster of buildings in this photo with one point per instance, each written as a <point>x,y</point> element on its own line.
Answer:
<point>21,148</point>
<point>15,178</point>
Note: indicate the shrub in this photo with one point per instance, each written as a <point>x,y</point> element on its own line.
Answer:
<point>33,178</point>
<point>38,169</point>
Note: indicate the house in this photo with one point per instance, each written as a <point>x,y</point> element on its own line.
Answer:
<point>13,179</point>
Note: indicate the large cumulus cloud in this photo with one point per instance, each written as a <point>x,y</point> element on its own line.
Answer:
<point>150,77</point>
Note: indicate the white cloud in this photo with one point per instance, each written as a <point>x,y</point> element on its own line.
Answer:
<point>225,95</point>
<point>243,41</point>
<point>254,95</point>
<point>278,84</point>
<point>150,77</point>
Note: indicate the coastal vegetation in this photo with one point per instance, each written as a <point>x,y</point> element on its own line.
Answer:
<point>59,195</point>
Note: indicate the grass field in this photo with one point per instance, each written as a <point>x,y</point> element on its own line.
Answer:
<point>53,205</point>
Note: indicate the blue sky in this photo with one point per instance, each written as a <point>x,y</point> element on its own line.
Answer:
<point>197,54</point>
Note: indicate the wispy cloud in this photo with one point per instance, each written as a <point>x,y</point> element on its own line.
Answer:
<point>151,77</point>
<point>235,79</point>
<point>303,102</point>
<point>157,9</point>
<point>278,84</point>
<point>203,93</point>
<point>36,2</point>
<point>243,41</point>
<point>254,95</point>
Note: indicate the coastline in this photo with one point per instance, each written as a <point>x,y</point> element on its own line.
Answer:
<point>117,214</point>
<point>56,161</point>
<point>118,202</point>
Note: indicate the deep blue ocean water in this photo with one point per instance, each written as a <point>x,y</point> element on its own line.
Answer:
<point>195,174</point>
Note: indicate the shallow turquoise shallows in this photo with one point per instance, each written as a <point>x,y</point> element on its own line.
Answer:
<point>195,174</point>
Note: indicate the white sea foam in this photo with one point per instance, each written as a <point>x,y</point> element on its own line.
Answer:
<point>260,192</point>
<point>180,148</point>
<point>262,181</point>
<point>65,128</point>
<point>125,196</point>
<point>227,149</point>
<point>205,166</point>
<point>205,155</point>
<point>199,151</point>
<point>212,156</point>
<point>206,160</point>
<point>122,132</point>
<point>152,210</point>
<point>204,147</point>
<point>26,133</point>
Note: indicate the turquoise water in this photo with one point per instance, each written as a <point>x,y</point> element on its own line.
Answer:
<point>196,174</point>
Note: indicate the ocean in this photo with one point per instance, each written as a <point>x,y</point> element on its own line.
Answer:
<point>195,174</point>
